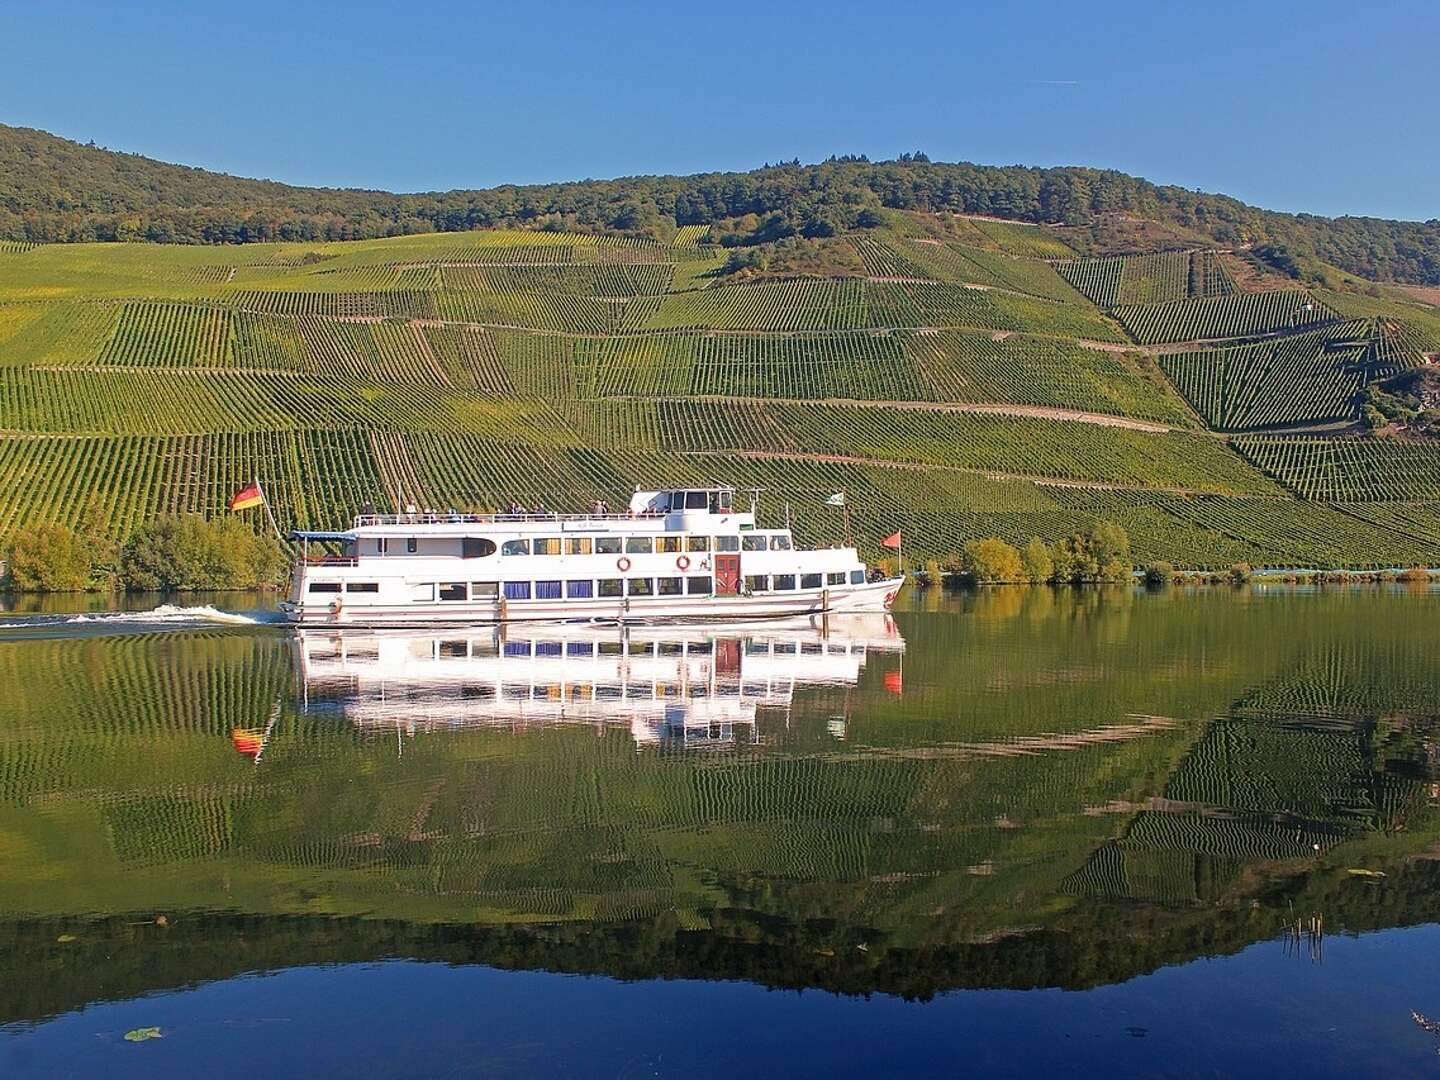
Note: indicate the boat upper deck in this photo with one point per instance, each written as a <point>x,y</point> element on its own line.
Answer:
<point>696,510</point>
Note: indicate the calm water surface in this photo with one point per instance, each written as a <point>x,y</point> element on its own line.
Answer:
<point>1091,832</point>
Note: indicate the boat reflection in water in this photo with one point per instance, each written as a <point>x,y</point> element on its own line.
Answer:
<point>680,686</point>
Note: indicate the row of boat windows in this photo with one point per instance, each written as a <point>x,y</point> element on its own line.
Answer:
<point>581,691</point>
<point>478,548</point>
<point>636,691</point>
<point>696,585</point>
<point>470,648</point>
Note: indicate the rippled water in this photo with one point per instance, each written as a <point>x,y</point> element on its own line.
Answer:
<point>1139,833</point>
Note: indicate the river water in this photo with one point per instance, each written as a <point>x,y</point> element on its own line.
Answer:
<point>1094,832</point>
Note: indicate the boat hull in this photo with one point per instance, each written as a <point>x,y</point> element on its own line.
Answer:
<point>872,596</point>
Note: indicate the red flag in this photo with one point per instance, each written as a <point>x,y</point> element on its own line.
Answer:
<point>891,541</point>
<point>247,497</point>
<point>248,741</point>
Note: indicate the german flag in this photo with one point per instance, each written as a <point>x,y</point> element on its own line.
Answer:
<point>247,497</point>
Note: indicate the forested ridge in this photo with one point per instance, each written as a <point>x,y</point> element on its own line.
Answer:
<point>54,190</point>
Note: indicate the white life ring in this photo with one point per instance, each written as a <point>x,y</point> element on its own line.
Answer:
<point>622,564</point>
<point>682,563</point>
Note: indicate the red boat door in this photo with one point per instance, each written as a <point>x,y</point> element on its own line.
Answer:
<point>727,575</point>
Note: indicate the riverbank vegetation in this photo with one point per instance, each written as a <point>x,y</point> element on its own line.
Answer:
<point>175,553</point>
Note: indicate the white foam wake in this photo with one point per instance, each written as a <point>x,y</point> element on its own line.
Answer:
<point>173,616</point>
<point>166,613</point>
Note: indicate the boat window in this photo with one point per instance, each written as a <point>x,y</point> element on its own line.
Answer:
<point>699,586</point>
<point>579,590</point>
<point>722,502</point>
<point>811,581</point>
<point>547,590</point>
<point>476,547</point>
<point>857,577</point>
<point>783,581</point>
<point>578,648</point>
<point>837,578</point>
<point>609,648</point>
<point>382,545</point>
<point>484,590</point>
<point>517,590</point>
<point>362,586</point>
<point>609,587</point>
<point>668,586</point>
<point>454,590</point>
<point>515,547</point>
<point>696,500</point>
<point>757,648</point>
<point>547,545</point>
<point>607,545</point>
<point>640,648</point>
<point>577,545</point>
<point>779,542</point>
<point>671,648</point>
<point>697,543</point>
<point>639,586</point>
<point>548,648</point>
<point>753,543</point>
<point>727,543</point>
<point>757,582</point>
<point>412,545</point>
<point>639,545</point>
<point>453,650</point>
<point>477,692</point>
<point>324,586</point>
<point>668,545</point>
<point>608,692</point>
<point>812,648</point>
<point>785,648</point>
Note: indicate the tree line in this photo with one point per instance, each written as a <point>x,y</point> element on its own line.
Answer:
<point>53,190</point>
<point>172,553</point>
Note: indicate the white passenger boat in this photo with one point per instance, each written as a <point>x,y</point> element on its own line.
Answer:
<point>679,555</point>
<point>683,686</point>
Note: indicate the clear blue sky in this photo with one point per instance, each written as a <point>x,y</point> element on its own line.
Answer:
<point>1330,107</point>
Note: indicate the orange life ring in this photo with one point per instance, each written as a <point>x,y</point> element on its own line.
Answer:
<point>622,564</point>
<point>682,563</point>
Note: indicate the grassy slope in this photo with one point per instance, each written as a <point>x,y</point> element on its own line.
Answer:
<point>464,368</point>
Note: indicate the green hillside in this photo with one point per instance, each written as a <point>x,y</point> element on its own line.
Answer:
<point>957,376</point>
<point>52,189</point>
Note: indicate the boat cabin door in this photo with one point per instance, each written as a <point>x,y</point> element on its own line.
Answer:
<point>727,575</point>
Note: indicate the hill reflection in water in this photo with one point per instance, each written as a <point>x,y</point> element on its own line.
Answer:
<point>991,793</point>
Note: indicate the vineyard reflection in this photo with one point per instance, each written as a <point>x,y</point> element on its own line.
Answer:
<point>1023,788</point>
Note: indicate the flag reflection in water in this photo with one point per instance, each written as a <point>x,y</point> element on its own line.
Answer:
<point>676,685</point>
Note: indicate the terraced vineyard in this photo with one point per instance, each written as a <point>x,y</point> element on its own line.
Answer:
<point>466,369</point>
<point>1214,318</point>
<point>1345,470</point>
<point>1148,279</point>
<point>1302,378</point>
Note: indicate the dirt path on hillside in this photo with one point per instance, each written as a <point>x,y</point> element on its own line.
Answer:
<point>911,466</point>
<point>995,408</point>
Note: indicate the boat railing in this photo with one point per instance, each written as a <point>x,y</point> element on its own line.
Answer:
<point>331,560</point>
<point>431,517</point>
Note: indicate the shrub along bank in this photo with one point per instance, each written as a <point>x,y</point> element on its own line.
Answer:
<point>172,553</point>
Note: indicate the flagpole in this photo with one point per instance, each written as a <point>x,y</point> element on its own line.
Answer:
<point>268,512</point>
<point>846,496</point>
